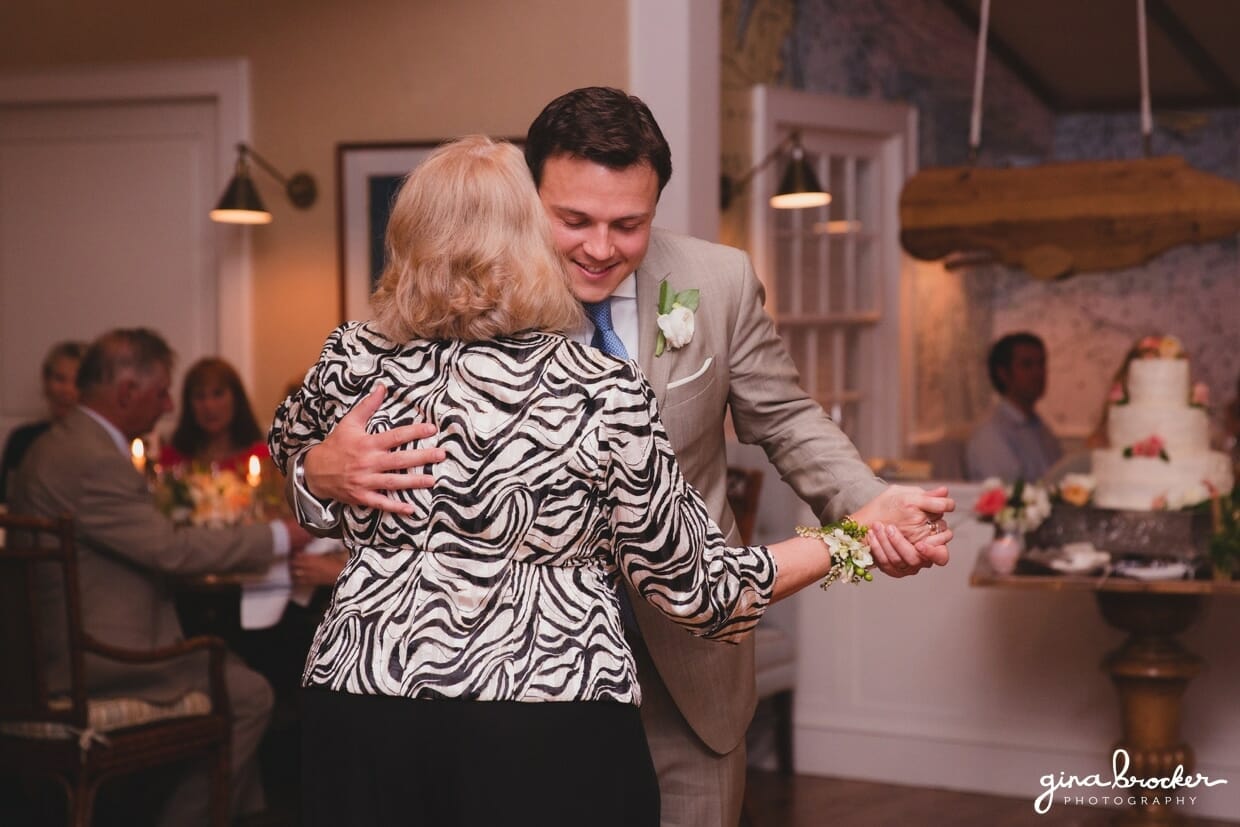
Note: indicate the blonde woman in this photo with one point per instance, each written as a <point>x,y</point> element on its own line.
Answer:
<point>60,367</point>
<point>472,666</point>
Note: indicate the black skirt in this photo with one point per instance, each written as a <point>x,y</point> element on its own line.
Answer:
<point>371,760</point>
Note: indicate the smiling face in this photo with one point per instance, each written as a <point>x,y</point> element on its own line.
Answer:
<point>600,219</point>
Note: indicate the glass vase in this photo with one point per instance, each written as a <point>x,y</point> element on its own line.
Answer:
<point>1005,549</point>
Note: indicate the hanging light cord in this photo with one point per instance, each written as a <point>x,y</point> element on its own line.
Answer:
<point>979,81</point>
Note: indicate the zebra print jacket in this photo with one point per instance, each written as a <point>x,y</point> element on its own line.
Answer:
<point>503,583</point>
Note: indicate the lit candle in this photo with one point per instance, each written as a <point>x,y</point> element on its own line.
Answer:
<point>137,452</point>
<point>254,475</point>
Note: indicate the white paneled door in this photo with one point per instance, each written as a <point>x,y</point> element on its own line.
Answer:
<point>103,223</point>
<point>834,274</point>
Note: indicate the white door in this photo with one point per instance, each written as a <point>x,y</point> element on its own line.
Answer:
<point>103,223</point>
<point>834,274</point>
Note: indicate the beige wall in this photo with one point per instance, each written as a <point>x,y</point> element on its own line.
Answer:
<point>330,71</point>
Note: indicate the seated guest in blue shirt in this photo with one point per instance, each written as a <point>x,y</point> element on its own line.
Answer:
<point>1013,442</point>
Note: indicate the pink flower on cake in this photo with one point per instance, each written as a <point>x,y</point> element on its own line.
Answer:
<point>1117,395</point>
<point>1152,446</point>
<point>1170,348</point>
<point>1159,503</point>
<point>1200,395</point>
<point>1159,347</point>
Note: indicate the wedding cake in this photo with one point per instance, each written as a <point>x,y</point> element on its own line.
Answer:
<point>1159,434</point>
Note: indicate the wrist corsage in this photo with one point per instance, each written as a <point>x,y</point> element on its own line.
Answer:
<point>850,554</point>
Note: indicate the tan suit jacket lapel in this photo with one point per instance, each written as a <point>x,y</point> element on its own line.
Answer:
<point>648,276</point>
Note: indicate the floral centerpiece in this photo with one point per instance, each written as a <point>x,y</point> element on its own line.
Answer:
<point>212,496</point>
<point>1015,509</point>
<point>1018,507</point>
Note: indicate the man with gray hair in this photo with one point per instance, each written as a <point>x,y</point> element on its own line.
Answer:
<point>127,547</point>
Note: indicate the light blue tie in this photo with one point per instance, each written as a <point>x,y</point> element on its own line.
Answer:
<point>605,337</point>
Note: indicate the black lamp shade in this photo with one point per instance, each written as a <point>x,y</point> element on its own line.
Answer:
<point>799,186</point>
<point>240,203</point>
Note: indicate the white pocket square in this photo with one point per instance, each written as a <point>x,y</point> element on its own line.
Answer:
<point>686,380</point>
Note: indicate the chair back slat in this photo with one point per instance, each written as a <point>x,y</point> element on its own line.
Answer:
<point>40,621</point>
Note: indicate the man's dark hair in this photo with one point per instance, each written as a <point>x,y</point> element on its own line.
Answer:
<point>1002,352</point>
<point>600,124</point>
<point>138,349</point>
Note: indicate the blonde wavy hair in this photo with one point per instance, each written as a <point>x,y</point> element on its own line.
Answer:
<point>469,251</point>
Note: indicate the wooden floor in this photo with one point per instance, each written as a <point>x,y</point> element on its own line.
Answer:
<point>773,800</point>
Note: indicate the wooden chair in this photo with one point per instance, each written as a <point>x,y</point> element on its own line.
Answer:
<point>60,731</point>
<point>774,653</point>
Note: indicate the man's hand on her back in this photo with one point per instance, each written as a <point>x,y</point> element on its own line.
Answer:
<point>355,467</point>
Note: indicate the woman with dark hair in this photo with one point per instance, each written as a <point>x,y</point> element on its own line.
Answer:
<point>216,426</point>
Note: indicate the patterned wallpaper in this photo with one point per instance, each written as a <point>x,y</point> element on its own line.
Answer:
<point>918,51</point>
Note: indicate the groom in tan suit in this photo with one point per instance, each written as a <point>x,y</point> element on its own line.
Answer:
<point>600,162</point>
<point>126,549</point>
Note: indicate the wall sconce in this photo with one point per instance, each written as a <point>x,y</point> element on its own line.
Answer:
<point>240,203</point>
<point>799,188</point>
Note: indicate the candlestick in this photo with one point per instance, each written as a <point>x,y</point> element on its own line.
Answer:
<point>137,453</point>
<point>254,475</point>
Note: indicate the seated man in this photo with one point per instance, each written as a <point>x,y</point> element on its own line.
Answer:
<point>126,547</point>
<point>1013,442</point>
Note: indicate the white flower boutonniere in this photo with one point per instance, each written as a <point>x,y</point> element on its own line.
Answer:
<point>675,318</point>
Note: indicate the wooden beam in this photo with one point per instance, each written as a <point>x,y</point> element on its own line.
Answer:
<point>1005,54</point>
<point>1077,217</point>
<point>1193,52</point>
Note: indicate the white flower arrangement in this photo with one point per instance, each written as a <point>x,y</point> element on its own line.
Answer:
<point>850,554</point>
<point>675,320</point>
<point>1020,507</point>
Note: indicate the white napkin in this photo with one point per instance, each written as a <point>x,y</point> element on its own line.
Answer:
<point>263,602</point>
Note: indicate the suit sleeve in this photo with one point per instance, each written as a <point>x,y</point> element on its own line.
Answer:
<point>665,543</point>
<point>118,514</point>
<point>770,408</point>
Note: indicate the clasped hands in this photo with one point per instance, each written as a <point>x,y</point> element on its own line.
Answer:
<point>351,465</point>
<point>907,529</point>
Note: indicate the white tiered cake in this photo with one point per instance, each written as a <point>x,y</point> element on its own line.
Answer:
<point>1160,453</point>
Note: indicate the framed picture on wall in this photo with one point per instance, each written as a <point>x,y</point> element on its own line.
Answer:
<point>368,176</point>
